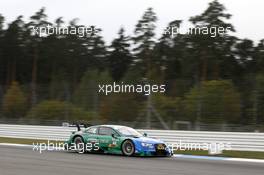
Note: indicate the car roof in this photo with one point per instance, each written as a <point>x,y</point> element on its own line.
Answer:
<point>112,126</point>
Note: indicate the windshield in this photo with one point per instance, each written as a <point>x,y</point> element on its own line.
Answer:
<point>129,132</point>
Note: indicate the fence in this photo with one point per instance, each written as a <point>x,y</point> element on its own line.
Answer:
<point>243,141</point>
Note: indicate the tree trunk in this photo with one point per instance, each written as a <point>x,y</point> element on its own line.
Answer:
<point>8,73</point>
<point>13,72</point>
<point>204,69</point>
<point>216,71</point>
<point>34,77</point>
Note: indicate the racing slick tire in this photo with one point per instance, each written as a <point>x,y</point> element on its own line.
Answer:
<point>79,144</point>
<point>128,148</point>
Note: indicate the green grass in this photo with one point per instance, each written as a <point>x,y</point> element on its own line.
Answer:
<point>25,141</point>
<point>235,154</point>
<point>238,154</point>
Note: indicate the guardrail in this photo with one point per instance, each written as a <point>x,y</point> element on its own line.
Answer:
<point>242,141</point>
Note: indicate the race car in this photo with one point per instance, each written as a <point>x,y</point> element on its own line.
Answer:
<point>116,139</point>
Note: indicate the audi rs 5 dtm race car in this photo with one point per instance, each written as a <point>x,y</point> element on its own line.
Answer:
<point>116,139</point>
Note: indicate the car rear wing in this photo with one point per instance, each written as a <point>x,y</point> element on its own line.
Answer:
<point>80,125</point>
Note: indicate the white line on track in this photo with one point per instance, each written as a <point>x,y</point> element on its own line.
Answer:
<point>219,158</point>
<point>17,145</point>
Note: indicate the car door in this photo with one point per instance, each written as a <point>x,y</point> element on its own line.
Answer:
<point>91,138</point>
<point>106,141</point>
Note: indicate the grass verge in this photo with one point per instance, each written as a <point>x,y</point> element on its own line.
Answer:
<point>25,141</point>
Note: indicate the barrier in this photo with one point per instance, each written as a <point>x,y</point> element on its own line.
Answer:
<point>242,141</point>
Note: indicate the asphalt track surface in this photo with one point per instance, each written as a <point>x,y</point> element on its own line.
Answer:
<point>24,161</point>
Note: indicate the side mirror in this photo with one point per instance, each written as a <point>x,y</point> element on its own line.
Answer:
<point>114,136</point>
<point>145,134</point>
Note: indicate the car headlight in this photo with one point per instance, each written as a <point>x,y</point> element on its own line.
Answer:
<point>147,144</point>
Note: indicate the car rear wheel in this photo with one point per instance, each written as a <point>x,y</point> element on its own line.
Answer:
<point>128,148</point>
<point>79,144</point>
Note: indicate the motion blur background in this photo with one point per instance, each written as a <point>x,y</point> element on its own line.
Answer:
<point>211,83</point>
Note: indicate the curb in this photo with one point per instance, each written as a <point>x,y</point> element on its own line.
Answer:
<point>219,158</point>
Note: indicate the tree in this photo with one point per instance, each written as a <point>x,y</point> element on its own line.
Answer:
<point>96,50</point>
<point>244,51</point>
<point>212,53</point>
<point>53,54</point>
<point>2,19</point>
<point>39,19</point>
<point>259,56</point>
<point>220,102</point>
<point>144,42</point>
<point>69,68</point>
<point>2,60</point>
<point>120,107</point>
<point>14,102</point>
<point>86,95</point>
<point>168,107</point>
<point>258,100</point>
<point>120,57</point>
<point>76,57</point>
<point>58,86</point>
<point>168,53</point>
<point>172,61</point>
<point>58,110</point>
<point>13,40</point>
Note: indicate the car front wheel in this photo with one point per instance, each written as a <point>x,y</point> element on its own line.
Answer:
<point>128,148</point>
